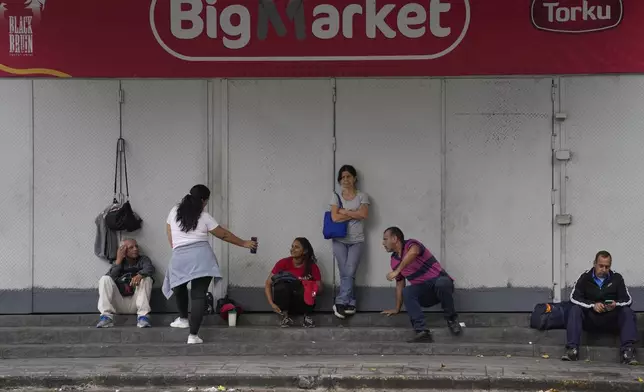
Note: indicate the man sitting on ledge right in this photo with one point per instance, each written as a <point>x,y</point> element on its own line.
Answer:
<point>601,303</point>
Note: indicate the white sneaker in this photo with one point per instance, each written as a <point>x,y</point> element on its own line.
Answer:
<point>194,339</point>
<point>180,323</point>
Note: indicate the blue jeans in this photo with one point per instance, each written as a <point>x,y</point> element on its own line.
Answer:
<point>348,257</point>
<point>427,294</point>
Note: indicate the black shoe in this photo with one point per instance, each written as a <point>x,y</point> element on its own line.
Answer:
<point>285,321</point>
<point>454,327</point>
<point>308,322</point>
<point>340,311</point>
<point>628,356</point>
<point>422,337</point>
<point>572,354</point>
<point>350,310</point>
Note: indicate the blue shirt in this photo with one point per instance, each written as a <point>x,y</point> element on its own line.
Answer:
<point>599,281</point>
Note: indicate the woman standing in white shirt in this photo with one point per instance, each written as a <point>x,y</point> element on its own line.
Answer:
<point>193,260</point>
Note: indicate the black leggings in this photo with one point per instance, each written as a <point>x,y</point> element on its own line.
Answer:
<point>197,306</point>
<point>289,297</point>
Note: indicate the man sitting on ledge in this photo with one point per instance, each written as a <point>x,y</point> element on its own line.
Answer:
<point>127,286</point>
<point>601,303</point>
<point>429,284</point>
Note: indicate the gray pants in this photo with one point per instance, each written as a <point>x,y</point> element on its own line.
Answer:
<point>348,258</point>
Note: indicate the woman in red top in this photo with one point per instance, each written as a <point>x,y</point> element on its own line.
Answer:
<point>293,284</point>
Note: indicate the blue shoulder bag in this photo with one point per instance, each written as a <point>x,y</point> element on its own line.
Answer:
<point>333,229</point>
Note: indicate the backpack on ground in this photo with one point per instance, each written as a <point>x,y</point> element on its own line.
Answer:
<point>546,316</point>
<point>283,277</point>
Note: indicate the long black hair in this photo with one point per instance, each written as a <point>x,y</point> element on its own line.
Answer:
<point>309,255</point>
<point>191,206</point>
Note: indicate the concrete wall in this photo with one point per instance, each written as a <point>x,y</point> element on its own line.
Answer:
<point>499,174</point>
<point>16,198</point>
<point>603,181</point>
<point>464,165</point>
<point>73,138</point>
<point>280,175</point>
<point>75,129</point>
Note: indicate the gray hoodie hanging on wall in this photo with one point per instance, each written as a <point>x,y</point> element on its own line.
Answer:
<point>106,242</point>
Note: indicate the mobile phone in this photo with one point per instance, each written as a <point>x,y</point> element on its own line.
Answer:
<point>254,239</point>
<point>608,301</point>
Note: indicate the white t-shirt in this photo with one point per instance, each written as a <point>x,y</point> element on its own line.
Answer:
<point>181,238</point>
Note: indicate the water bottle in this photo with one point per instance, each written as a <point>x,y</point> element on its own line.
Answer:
<point>254,239</point>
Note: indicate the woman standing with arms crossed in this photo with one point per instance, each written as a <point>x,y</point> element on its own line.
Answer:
<point>193,260</point>
<point>347,251</point>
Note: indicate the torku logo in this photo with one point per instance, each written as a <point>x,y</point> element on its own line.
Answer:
<point>576,16</point>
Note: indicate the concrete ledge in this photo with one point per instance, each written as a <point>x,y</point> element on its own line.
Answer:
<point>370,299</point>
<point>85,301</point>
<point>427,382</point>
<point>15,301</point>
<point>363,319</point>
<point>436,372</point>
<point>260,335</point>
<point>298,348</point>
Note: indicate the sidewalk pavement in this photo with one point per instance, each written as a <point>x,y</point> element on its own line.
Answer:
<point>308,372</point>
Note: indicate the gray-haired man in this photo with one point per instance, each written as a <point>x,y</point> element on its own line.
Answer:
<point>126,287</point>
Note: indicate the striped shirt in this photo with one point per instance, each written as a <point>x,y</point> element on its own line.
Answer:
<point>425,267</point>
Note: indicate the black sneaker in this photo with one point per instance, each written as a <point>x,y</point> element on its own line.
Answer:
<point>572,354</point>
<point>422,337</point>
<point>628,356</point>
<point>308,322</point>
<point>285,321</point>
<point>340,311</point>
<point>350,310</point>
<point>454,327</point>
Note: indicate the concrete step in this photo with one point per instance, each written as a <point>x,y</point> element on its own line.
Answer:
<point>269,319</point>
<point>248,334</point>
<point>317,373</point>
<point>337,348</point>
<point>434,320</point>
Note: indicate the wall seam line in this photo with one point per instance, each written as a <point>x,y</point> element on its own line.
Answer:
<point>225,170</point>
<point>443,244</point>
<point>334,103</point>
<point>32,201</point>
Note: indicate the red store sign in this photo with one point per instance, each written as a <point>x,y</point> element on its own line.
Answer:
<point>319,38</point>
